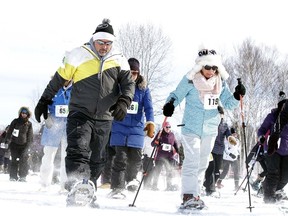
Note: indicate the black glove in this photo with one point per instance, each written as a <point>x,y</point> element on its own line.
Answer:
<point>220,110</point>
<point>232,156</point>
<point>42,108</point>
<point>168,108</point>
<point>239,90</point>
<point>261,139</point>
<point>119,109</point>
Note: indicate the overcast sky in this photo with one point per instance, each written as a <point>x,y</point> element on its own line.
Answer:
<point>35,34</point>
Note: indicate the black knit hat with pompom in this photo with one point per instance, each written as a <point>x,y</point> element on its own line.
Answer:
<point>104,31</point>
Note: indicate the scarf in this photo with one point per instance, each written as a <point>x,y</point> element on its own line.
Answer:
<point>207,86</point>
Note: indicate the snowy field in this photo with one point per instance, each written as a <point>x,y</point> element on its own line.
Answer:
<point>18,198</point>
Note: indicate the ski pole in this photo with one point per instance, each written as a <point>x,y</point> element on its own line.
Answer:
<point>251,169</point>
<point>245,147</point>
<point>147,166</point>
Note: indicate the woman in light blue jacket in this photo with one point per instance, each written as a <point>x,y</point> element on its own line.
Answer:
<point>204,88</point>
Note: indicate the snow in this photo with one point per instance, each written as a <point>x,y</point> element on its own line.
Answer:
<point>28,198</point>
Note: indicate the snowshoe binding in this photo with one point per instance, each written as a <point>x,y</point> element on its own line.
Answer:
<point>133,185</point>
<point>82,194</point>
<point>191,203</point>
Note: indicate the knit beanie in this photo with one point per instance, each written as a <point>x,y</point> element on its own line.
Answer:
<point>282,96</point>
<point>134,64</point>
<point>166,124</point>
<point>104,31</point>
<point>209,57</point>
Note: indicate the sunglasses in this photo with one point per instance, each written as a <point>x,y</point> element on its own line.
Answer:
<point>208,67</point>
<point>168,127</point>
<point>100,42</point>
<point>206,52</point>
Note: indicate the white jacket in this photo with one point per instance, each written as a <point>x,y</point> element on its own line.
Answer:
<point>233,149</point>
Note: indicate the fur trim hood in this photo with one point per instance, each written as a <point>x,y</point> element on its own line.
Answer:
<point>207,57</point>
<point>141,82</point>
<point>24,108</point>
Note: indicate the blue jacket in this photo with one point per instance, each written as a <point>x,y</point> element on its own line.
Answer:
<point>130,131</point>
<point>197,120</point>
<point>267,126</point>
<point>57,117</point>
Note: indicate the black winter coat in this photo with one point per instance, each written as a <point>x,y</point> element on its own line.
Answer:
<point>20,132</point>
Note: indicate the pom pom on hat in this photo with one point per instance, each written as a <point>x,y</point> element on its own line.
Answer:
<point>134,64</point>
<point>104,31</point>
<point>207,57</point>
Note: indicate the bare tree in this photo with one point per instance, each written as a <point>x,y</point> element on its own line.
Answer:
<point>259,68</point>
<point>151,47</point>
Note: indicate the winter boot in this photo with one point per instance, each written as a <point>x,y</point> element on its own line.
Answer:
<point>1,168</point>
<point>257,183</point>
<point>281,195</point>
<point>172,187</point>
<point>218,184</point>
<point>22,179</point>
<point>133,185</point>
<point>192,203</point>
<point>236,185</point>
<point>105,186</point>
<point>117,193</point>
<point>6,170</point>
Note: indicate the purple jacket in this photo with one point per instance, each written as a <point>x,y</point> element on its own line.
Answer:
<point>168,145</point>
<point>268,125</point>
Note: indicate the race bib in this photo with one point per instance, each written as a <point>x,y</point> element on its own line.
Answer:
<point>61,110</point>
<point>211,101</point>
<point>4,146</point>
<point>166,147</point>
<point>133,108</point>
<point>15,132</point>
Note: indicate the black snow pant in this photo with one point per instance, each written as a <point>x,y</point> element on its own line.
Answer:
<point>86,151</point>
<point>209,181</point>
<point>218,161</point>
<point>19,163</point>
<point>277,175</point>
<point>107,171</point>
<point>126,165</point>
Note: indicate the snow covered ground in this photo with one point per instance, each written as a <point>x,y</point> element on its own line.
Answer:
<point>18,198</point>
